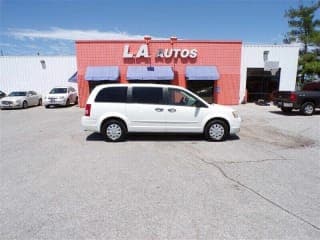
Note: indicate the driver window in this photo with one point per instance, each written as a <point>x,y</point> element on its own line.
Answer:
<point>180,97</point>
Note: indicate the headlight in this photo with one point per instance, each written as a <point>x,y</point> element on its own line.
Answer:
<point>235,114</point>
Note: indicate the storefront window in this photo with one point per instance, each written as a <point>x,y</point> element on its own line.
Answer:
<point>93,84</point>
<point>203,89</point>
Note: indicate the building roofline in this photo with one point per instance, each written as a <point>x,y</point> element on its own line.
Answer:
<point>40,56</point>
<point>270,45</point>
<point>159,41</point>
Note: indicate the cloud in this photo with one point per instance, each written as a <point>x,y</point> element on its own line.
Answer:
<point>72,34</point>
<point>56,41</point>
<point>7,45</point>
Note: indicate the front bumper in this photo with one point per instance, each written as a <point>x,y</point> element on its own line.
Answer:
<point>60,102</point>
<point>10,105</point>
<point>235,126</point>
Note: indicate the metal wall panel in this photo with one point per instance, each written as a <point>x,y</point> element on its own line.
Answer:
<point>253,56</point>
<point>39,73</point>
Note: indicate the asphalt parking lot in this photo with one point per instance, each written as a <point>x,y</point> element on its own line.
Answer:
<point>59,182</point>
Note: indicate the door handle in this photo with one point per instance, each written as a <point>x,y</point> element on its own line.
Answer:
<point>158,109</point>
<point>172,110</point>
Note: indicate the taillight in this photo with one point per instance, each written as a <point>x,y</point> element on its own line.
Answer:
<point>293,97</point>
<point>87,110</point>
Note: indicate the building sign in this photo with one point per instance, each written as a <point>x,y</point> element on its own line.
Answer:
<point>143,51</point>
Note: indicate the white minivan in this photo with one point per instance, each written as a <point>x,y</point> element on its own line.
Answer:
<point>117,109</point>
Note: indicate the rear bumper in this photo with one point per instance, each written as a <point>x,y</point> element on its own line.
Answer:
<point>89,125</point>
<point>285,104</point>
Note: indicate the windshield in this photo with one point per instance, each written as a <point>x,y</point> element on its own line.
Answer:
<point>58,90</point>
<point>17,94</point>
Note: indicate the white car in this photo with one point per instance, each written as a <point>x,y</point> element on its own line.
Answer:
<point>117,109</point>
<point>61,96</point>
<point>21,99</point>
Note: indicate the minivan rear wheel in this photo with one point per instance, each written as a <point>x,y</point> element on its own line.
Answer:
<point>216,130</point>
<point>114,131</point>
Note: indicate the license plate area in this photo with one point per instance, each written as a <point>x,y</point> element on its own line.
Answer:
<point>288,104</point>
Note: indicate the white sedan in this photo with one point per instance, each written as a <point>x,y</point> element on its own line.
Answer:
<point>21,99</point>
<point>61,96</point>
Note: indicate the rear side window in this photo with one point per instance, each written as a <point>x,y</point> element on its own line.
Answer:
<point>311,87</point>
<point>148,95</point>
<point>112,94</point>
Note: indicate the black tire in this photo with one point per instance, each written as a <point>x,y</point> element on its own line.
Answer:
<point>24,104</point>
<point>114,131</point>
<point>76,102</point>
<point>47,106</point>
<point>286,109</point>
<point>216,130</point>
<point>68,102</point>
<point>307,108</point>
<point>40,102</point>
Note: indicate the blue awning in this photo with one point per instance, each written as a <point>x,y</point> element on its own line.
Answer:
<point>102,73</point>
<point>150,73</point>
<point>202,73</point>
<point>73,78</point>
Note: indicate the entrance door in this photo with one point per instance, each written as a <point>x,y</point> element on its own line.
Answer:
<point>261,84</point>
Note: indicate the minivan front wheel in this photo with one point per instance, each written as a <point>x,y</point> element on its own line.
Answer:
<point>216,130</point>
<point>113,131</point>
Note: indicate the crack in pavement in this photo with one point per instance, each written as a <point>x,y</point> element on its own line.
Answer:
<point>255,161</point>
<point>258,194</point>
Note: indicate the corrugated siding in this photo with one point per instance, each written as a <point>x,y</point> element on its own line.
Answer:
<point>26,72</point>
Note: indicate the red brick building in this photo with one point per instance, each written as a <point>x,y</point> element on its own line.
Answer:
<point>209,68</point>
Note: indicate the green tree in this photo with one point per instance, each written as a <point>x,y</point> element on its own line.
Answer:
<point>305,29</point>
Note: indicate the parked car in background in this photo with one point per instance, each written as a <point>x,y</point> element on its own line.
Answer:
<point>61,96</point>
<point>2,94</point>
<point>306,100</point>
<point>117,109</point>
<point>21,99</point>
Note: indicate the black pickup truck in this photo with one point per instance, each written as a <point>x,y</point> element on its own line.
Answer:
<point>306,100</point>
